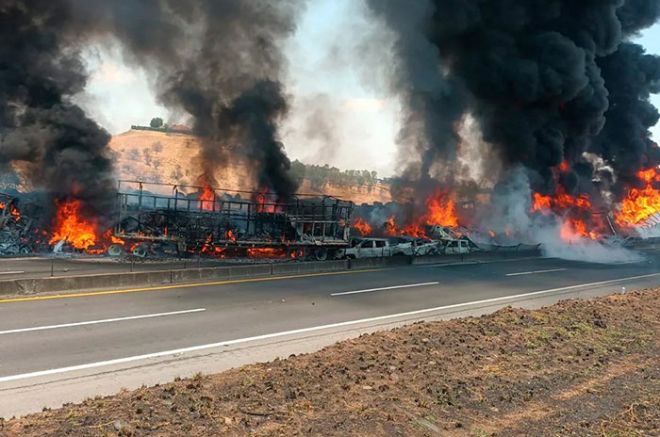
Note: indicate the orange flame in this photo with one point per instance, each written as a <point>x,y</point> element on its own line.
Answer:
<point>207,198</point>
<point>13,211</point>
<point>640,204</point>
<point>269,252</point>
<point>391,228</point>
<point>362,227</point>
<point>559,202</point>
<point>206,247</point>
<point>440,210</point>
<point>71,226</point>
<point>541,203</point>
<point>572,229</point>
<point>414,230</point>
<point>230,235</point>
<point>574,210</point>
<point>108,237</point>
<point>265,203</point>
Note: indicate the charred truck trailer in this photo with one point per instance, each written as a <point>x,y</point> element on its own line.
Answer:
<point>167,219</point>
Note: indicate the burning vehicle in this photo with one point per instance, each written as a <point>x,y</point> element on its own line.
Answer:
<point>546,109</point>
<point>19,233</point>
<point>158,220</point>
<point>231,224</point>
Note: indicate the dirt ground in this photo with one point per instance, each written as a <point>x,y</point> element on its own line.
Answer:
<point>576,368</point>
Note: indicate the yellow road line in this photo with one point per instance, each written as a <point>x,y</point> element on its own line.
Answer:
<point>177,286</point>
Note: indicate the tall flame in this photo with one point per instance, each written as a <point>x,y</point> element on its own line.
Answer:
<point>362,227</point>
<point>640,204</point>
<point>71,226</point>
<point>573,228</point>
<point>440,210</point>
<point>206,198</point>
<point>578,219</point>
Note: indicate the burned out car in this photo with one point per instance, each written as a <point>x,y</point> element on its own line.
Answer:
<point>18,235</point>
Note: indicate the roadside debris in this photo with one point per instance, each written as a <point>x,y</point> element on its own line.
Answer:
<point>18,233</point>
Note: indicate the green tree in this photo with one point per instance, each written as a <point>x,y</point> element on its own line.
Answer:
<point>156,122</point>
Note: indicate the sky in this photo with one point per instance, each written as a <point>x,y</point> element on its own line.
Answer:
<point>340,102</point>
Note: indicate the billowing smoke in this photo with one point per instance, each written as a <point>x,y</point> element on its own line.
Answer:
<point>221,62</point>
<point>630,76</point>
<point>547,81</point>
<point>434,101</point>
<point>43,135</point>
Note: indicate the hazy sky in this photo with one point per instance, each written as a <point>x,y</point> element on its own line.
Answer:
<point>340,102</point>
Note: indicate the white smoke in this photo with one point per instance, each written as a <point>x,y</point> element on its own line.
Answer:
<point>510,216</point>
<point>583,249</point>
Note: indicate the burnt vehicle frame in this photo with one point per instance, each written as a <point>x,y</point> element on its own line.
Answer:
<point>154,217</point>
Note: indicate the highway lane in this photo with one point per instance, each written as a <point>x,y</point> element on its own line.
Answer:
<point>108,327</point>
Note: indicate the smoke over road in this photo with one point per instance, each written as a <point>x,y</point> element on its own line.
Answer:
<point>547,81</point>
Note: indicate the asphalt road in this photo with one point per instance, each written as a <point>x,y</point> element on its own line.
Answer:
<point>70,330</point>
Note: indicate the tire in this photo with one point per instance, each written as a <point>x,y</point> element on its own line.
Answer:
<point>321,254</point>
<point>141,251</point>
<point>115,250</point>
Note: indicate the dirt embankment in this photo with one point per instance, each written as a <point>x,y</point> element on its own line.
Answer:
<point>172,158</point>
<point>576,368</point>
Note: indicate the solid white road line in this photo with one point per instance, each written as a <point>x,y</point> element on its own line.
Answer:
<point>393,287</point>
<point>12,273</point>
<point>184,350</point>
<point>98,322</point>
<point>533,272</point>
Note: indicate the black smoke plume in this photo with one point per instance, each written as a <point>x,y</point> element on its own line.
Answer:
<point>56,147</point>
<point>625,142</point>
<point>218,60</point>
<point>434,102</point>
<point>221,62</point>
<point>541,77</point>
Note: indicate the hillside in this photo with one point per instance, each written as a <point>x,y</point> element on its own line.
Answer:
<point>171,158</point>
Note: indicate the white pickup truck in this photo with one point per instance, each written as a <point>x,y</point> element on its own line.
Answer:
<point>457,247</point>
<point>372,248</point>
<point>382,247</point>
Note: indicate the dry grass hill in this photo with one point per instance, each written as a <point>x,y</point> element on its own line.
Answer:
<point>172,158</point>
